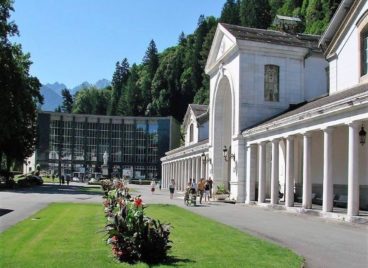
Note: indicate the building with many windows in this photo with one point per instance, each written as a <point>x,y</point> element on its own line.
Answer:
<point>287,118</point>
<point>69,143</point>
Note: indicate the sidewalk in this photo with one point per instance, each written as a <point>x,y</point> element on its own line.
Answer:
<point>323,243</point>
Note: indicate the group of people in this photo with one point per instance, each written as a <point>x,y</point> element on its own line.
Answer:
<point>202,188</point>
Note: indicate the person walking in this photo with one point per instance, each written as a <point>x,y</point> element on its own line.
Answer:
<point>207,192</point>
<point>67,179</point>
<point>153,186</point>
<point>201,187</point>
<point>172,188</point>
<point>210,182</point>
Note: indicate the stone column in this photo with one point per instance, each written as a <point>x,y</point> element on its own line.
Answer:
<point>198,160</point>
<point>289,178</point>
<point>307,180</point>
<point>193,168</point>
<point>251,172</point>
<point>327,170</point>
<point>353,178</point>
<point>163,182</point>
<point>186,166</point>
<point>261,172</point>
<point>275,172</point>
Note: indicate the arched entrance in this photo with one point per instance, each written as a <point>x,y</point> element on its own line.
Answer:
<point>222,132</point>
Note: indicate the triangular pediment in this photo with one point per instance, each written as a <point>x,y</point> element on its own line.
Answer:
<point>222,43</point>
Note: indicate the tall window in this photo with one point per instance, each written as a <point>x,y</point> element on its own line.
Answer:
<point>364,52</point>
<point>191,133</point>
<point>271,83</point>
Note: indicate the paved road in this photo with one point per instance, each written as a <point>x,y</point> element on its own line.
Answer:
<point>323,243</point>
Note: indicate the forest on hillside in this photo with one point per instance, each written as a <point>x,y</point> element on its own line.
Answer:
<point>165,83</point>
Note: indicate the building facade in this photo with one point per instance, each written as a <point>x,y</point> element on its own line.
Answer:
<point>291,111</point>
<point>70,143</point>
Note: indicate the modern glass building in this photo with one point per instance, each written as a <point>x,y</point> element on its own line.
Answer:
<point>69,143</point>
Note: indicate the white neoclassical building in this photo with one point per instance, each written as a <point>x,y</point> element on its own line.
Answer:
<point>291,111</point>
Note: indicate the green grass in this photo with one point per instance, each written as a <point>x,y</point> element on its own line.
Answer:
<point>67,235</point>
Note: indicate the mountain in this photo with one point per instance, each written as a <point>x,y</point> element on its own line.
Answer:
<point>103,83</point>
<point>52,92</point>
<point>51,98</point>
<point>56,87</point>
<point>75,89</point>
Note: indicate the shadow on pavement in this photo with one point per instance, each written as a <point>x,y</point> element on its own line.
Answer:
<point>58,189</point>
<point>4,211</point>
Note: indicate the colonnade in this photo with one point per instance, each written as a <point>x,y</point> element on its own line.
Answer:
<point>256,167</point>
<point>181,170</point>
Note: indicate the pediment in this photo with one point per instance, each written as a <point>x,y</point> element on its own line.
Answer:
<point>223,41</point>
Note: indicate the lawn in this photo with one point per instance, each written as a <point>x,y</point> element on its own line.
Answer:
<point>68,235</point>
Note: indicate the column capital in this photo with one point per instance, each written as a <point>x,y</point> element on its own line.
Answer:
<point>289,137</point>
<point>262,143</point>
<point>354,124</point>
<point>307,134</point>
<point>275,140</point>
<point>328,129</point>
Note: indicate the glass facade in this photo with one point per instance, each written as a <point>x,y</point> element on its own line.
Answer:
<point>77,143</point>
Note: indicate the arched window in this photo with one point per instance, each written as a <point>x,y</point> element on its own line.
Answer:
<point>271,82</point>
<point>191,133</point>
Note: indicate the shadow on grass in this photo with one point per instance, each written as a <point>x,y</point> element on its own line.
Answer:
<point>172,261</point>
<point>57,189</point>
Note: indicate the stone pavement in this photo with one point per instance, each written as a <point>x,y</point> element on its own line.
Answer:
<point>323,243</point>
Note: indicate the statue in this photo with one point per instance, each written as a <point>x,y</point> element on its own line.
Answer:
<point>105,158</point>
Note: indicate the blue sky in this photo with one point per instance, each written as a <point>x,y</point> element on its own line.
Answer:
<point>72,41</point>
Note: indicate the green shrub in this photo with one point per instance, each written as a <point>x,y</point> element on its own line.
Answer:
<point>134,236</point>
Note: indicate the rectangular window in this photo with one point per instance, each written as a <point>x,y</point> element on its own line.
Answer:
<point>271,83</point>
<point>364,53</point>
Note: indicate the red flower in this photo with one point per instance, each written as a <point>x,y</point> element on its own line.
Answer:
<point>137,202</point>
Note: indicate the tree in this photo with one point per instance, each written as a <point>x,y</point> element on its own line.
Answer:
<point>67,105</point>
<point>149,66</point>
<point>92,101</point>
<point>255,13</point>
<point>20,93</point>
<point>119,80</point>
<point>230,12</point>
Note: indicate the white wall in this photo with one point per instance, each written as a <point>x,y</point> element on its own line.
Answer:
<point>315,78</point>
<point>345,67</point>
<point>193,121</point>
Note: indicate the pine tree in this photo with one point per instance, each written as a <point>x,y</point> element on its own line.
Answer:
<point>119,80</point>
<point>151,60</point>
<point>231,12</point>
<point>67,101</point>
<point>255,14</point>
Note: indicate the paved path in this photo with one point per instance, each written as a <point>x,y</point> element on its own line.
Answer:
<point>323,243</point>
<point>25,202</point>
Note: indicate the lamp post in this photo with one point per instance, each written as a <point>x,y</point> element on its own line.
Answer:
<point>226,155</point>
<point>362,135</point>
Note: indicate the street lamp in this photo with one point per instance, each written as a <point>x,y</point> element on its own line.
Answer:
<point>204,158</point>
<point>362,135</point>
<point>226,155</point>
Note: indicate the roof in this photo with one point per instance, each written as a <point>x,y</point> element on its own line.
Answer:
<point>185,148</point>
<point>335,22</point>
<point>320,102</point>
<point>288,19</point>
<point>274,37</point>
<point>198,109</point>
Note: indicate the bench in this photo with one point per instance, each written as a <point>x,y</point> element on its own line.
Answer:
<point>299,199</point>
<point>341,201</point>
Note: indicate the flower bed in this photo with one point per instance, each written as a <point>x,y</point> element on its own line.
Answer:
<point>132,235</point>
